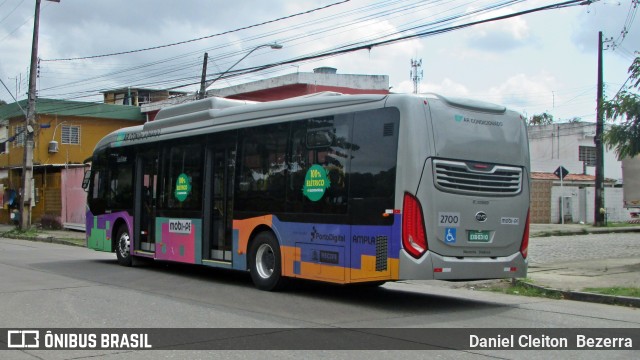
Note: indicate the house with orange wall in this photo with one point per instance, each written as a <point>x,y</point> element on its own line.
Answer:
<point>65,137</point>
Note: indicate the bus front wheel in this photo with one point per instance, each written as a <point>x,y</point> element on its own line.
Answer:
<point>123,246</point>
<point>265,262</point>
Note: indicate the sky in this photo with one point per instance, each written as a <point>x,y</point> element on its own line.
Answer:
<point>539,62</point>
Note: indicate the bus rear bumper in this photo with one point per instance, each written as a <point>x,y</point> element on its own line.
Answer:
<point>436,267</point>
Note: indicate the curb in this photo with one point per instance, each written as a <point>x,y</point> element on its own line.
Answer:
<point>586,296</point>
<point>585,231</point>
<point>49,239</point>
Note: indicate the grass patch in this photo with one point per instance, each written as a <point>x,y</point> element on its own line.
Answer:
<point>507,287</point>
<point>620,224</point>
<point>616,291</point>
<point>33,232</point>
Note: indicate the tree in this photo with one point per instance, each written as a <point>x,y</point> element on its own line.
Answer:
<point>2,102</point>
<point>625,136</point>
<point>541,119</point>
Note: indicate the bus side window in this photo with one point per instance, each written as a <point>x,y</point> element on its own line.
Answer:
<point>262,170</point>
<point>325,142</point>
<point>373,165</point>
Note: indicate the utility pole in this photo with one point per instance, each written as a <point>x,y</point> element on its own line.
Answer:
<point>30,125</point>
<point>203,89</point>
<point>416,74</point>
<point>599,212</point>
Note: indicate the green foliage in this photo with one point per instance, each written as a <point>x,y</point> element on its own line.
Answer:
<point>625,136</point>
<point>616,291</point>
<point>521,288</point>
<point>2,102</point>
<point>541,119</point>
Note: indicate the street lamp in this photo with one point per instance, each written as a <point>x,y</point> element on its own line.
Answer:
<point>273,45</point>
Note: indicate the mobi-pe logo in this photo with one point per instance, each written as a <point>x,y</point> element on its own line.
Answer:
<point>459,118</point>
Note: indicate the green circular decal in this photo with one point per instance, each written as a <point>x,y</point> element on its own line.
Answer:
<point>183,187</point>
<point>315,183</point>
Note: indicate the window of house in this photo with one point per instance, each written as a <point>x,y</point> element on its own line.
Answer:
<point>587,154</point>
<point>20,135</point>
<point>70,134</point>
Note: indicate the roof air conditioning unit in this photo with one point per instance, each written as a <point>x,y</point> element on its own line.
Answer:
<point>53,147</point>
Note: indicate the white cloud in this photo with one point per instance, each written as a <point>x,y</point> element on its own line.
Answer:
<point>522,91</point>
<point>522,62</point>
<point>503,35</point>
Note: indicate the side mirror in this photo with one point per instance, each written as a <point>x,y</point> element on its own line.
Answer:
<point>85,180</point>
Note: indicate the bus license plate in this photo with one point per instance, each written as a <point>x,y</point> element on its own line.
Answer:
<point>479,236</point>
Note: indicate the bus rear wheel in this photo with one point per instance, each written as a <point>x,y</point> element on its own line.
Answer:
<point>123,246</point>
<point>265,262</point>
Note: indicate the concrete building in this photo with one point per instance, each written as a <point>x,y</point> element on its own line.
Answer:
<point>572,146</point>
<point>287,86</point>
<point>303,83</point>
<point>137,96</point>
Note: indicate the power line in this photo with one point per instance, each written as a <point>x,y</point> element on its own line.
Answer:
<point>200,38</point>
<point>11,12</point>
<point>413,5</point>
<point>182,79</point>
<point>344,50</point>
<point>631,15</point>
<point>404,38</point>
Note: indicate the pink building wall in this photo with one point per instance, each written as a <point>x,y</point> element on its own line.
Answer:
<point>74,199</point>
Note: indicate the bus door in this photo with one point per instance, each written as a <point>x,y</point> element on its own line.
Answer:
<point>145,202</point>
<point>371,194</point>
<point>219,209</point>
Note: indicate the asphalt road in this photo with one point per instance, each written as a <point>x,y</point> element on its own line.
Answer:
<point>55,286</point>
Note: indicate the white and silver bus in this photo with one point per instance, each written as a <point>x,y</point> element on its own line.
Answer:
<point>336,188</point>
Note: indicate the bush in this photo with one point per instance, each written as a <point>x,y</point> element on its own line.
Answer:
<point>50,222</point>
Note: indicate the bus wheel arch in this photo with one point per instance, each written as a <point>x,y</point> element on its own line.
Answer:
<point>121,243</point>
<point>265,260</point>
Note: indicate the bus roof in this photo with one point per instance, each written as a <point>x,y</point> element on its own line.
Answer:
<point>219,114</point>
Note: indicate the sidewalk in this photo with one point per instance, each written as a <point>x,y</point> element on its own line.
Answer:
<point>571,277</point>
<point>567,278</point>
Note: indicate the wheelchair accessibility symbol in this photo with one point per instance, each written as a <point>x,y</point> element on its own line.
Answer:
<point>450,235</point>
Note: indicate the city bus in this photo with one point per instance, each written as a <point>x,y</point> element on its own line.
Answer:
<point>335,188</point>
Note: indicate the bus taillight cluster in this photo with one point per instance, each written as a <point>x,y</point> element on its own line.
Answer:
<point>414,237</point>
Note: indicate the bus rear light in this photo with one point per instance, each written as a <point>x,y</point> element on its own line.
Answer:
<point>414,238</point>
<point>510,269</point>
<point>524,247</point>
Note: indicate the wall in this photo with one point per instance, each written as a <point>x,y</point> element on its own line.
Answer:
<point>582,204</point>
<point>91,131</point>
<point>557,144</point>
<point>540,210</point>
<point>74,198</point>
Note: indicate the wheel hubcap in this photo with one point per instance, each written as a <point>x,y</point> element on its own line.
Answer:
<point>265,261</point>
<point>123,245</point>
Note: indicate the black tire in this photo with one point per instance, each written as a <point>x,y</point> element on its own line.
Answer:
<point>123,246</point>
<point>368,284</point>
<point>265,262</point>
